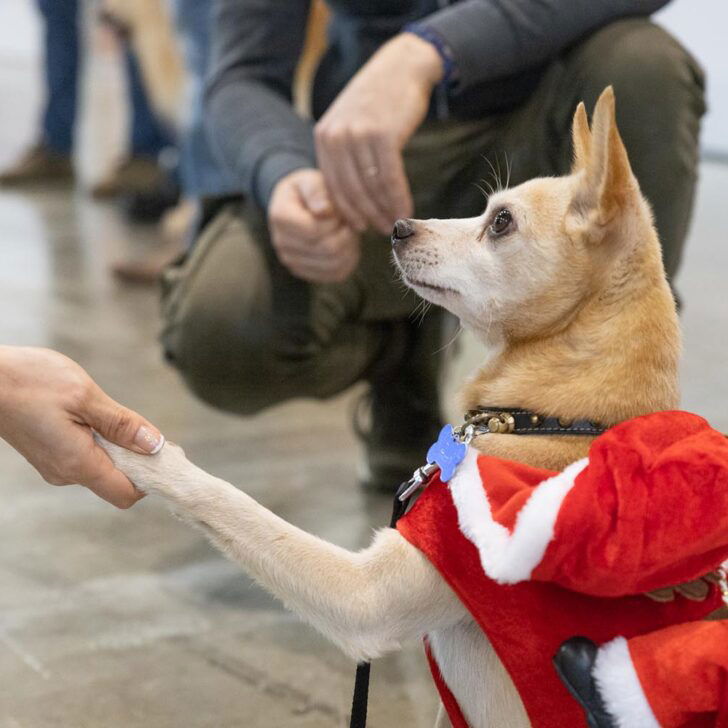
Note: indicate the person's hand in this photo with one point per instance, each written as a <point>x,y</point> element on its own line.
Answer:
<point>309,237</point>
<point>48,409</point>
<point>359,140</point>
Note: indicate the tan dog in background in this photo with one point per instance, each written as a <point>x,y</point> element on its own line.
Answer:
<point>562,278</point>
<point>155,43</point>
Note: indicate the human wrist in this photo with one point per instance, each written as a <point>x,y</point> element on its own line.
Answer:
<point>420,56</point>
<point>441,46</point>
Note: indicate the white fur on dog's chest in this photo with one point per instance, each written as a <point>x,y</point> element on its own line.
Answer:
<point>476,677</point>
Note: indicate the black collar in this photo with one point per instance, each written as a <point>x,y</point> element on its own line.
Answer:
<point>515,421</point>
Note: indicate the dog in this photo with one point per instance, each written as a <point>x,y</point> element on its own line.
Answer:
<point>562,278</point>
<point>151,29</point>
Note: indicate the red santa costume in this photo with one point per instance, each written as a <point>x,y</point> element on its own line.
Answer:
<point>673,678</point>
<point>538,556</point>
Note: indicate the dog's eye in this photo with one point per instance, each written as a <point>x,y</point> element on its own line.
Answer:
<point>501,222</point>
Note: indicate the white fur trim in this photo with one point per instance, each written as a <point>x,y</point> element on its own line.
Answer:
<point>620,687</point>
<point>509,557</point>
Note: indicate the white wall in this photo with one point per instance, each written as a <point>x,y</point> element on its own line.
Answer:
<point>702,25</point>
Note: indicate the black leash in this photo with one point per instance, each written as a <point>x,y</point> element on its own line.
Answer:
<point>481,421</point>
<point>363,669</point>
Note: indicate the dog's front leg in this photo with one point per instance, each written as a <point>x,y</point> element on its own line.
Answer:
<point>368,602</point>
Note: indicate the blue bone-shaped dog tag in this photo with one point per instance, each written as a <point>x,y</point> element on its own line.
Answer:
<point>447,452</point>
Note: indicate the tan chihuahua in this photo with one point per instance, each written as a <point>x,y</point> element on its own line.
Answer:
<point>562,278</point>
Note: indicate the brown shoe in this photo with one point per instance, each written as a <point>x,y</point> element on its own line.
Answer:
<point>133,175</point>
<point>39,165</point>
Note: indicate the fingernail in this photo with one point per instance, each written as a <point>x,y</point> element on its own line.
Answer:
<point>149,440</point>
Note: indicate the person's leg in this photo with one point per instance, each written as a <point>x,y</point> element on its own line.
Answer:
<point>49,158</point>
<point>61,69</point>
<point>201,173</point>
<point>245,334</point>
<point>148,134</point>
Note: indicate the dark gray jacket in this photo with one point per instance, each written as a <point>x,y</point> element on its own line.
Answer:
<point>500,48</point>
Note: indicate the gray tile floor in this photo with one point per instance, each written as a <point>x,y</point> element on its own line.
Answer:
<point>111,619</point>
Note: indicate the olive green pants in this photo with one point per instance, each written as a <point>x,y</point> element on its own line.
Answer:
<point>245,334</point>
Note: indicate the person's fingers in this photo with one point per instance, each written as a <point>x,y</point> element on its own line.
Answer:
<point>294,220</point>
<point>101,477</point>
<point>335,183</point>
<point>315,197</point>
<point>120,425</point>
<point>358,196</point>
<point>305,229</point>
<point>331,148</point>
<point>333,245</point>
<point>393,178</point>
<point>374,181</point>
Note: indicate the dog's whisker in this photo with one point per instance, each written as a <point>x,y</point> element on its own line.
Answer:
<point>452,340</point>
<point>496,176</point>
<point>483,192</point>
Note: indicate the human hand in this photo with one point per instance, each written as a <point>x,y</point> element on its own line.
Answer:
<point>48,408</point>
<point>359,140</point>
<point>308,235</point>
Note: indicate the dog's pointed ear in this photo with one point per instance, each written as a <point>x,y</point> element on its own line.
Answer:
<point>581,139</point>
<point>607,183</point>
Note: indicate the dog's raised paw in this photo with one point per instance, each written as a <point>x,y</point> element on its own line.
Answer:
<point>147,472</point>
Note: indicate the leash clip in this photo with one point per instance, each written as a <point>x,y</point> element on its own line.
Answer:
<point>418,479</point>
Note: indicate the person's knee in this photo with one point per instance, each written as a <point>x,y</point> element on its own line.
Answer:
<point>652,73</point>
<point>220,356</point>
<point>659,90</point>
<point>245,365</point>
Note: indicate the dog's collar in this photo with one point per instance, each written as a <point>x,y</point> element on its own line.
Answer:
<point>515,421</point>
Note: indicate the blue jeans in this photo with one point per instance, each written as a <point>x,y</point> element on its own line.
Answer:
<point>62,65</point>
<point>202,174</point>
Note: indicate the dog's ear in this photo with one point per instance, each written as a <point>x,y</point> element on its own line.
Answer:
<point>607,182</point>
<point>581,139</point>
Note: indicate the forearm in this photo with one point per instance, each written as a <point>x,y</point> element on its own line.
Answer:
<point>492,39</point>
<point>367,602</point>
<point>258,135</point>
<point>250,116</point>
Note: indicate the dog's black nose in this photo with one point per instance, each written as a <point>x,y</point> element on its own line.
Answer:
<point>403,228</point>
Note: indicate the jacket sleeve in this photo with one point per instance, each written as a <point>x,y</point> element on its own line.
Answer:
<point>491,39</point>
<point>250,117</point>
<point>650,510</point>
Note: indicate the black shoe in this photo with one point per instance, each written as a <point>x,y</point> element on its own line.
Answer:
<point>150,205</point>
<point>404,404</point>
<point>574,663</point>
